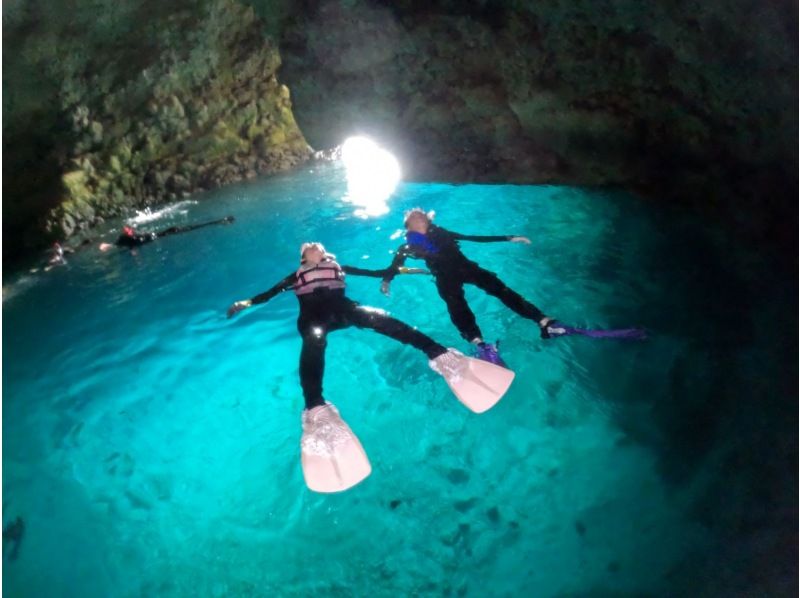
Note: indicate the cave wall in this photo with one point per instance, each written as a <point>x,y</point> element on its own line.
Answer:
<point>683,101</point>
<point>112,105</point>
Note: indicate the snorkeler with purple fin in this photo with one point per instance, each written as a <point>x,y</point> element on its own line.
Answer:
<point>452,270</point>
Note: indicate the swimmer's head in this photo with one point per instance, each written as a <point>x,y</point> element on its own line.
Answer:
<point>313,253</point>
<point>418,220</point>
<point>128,231</point>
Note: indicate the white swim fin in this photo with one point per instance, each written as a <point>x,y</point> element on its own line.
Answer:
<point>478,384</point>
<point>332,458</point>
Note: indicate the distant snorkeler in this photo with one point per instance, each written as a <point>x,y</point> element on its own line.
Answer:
<point>57,252</point>
<point>58,259</point>
<point>131,238</point>
<point>332,457</point>
<point>452,270</point>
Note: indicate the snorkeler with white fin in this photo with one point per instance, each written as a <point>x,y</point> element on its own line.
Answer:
<point>452,270</point>
<point>332,457</point>
<point>131,238</point>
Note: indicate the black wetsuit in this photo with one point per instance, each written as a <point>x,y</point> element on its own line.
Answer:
<point>135,240</point>
<point>452,270</point>
<point>138,239</point>
<point>326,310</point>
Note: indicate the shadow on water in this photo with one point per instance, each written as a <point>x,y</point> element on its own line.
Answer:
<point>722,414</point>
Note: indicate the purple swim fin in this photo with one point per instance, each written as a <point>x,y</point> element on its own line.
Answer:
<point>555,328</point>
<point>627,333</point>
<point>491,353</point>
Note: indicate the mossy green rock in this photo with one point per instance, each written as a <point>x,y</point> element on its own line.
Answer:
<point>75,186</point>
<point>147,87</point>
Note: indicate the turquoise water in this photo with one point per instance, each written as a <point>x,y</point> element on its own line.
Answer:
<point>152,446</point>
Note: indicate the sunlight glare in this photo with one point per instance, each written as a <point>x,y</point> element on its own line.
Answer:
<point>372,176</point>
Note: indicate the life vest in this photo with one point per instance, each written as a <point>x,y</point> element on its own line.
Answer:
<point>421,242</point>
<point>325,275</point>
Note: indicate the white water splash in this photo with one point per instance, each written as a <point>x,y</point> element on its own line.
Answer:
<point>148,215</point>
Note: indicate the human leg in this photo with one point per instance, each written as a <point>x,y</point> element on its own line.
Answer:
<point>312,362</point>
<point>382,323</point>
<point>331,455</point>
<point>491,283</point>
<point>452,291</point>
<point>477,384</point>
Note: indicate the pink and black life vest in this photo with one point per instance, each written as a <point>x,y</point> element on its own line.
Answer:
<point>325,275</point>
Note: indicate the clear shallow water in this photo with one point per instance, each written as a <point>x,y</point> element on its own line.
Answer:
<point>151,445</point>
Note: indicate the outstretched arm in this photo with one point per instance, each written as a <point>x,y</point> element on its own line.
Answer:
<point>489,239</point>
<point>397,263</point>
<point>382,273</point>
<point>284,285</point>
<point>365,272</point>
<point>394,268</point>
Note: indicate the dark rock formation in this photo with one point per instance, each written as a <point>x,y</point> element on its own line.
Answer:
<point>110,106</point>
<point>684,101</point>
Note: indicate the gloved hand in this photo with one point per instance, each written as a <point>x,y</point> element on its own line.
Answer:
<point>549,328</point>
<point>385,287</point>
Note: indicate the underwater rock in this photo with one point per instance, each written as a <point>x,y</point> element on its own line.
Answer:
<point>462,506</point>
<point>458,476</point>
<point>580,528</point>
<point>493,515</point>
<point>12,538</point>
<point>138,500</point>
<point>120,464</point>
